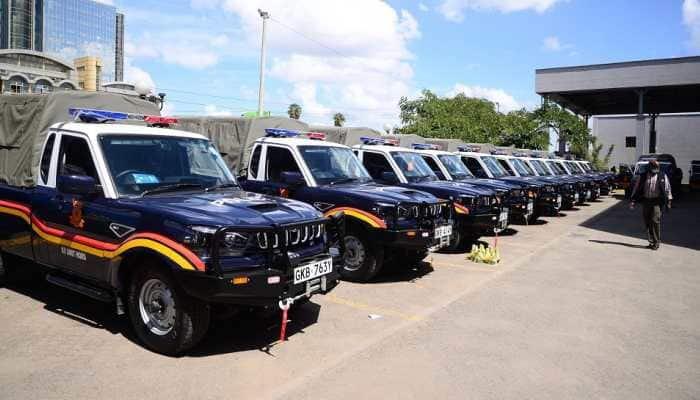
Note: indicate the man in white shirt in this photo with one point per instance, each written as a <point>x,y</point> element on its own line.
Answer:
<point>654,191</point>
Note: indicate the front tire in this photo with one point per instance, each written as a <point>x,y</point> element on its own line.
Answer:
<point>165,319</point>
<point>361,260</point>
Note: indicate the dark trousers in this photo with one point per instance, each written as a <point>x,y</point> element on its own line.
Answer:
<point>652,220</point>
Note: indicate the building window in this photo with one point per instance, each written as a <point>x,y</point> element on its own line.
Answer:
<point>630,141</point>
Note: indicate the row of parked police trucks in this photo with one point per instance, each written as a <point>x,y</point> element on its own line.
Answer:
<point>114,204</point>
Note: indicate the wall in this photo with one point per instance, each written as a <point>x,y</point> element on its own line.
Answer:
<point>677,134</point>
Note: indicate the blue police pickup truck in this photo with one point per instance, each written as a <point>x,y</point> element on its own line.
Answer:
<point>384,224</point>
<point>477,210</point>
<point>152,220</point>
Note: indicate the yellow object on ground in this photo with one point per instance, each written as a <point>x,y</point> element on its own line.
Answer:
<point>488,255</point>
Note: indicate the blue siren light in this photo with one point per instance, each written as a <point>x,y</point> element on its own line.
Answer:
<point>281,133</point>
<point>379,141</point>
<point>92,115</point>
<point>425,146</point>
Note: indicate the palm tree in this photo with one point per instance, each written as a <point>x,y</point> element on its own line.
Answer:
<point>294,111</point>
<point>338,119</point>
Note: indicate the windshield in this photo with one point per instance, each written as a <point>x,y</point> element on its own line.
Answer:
<point>494,167</point>
<point>331,165</point>
<point>140,164</point>
<point>540,167</point>
<point>413,166</point>
<point>573,167</point>
<point>455,167</point>
<point>665,167</point>
<point>586,167</point>
<point>521,167</point>
<point>558,169</point>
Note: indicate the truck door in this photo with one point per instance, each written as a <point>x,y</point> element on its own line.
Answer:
<point>73,230</point>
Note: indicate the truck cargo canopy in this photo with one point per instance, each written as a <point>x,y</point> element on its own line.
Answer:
<point>234,137</point>
<point>26,119</point>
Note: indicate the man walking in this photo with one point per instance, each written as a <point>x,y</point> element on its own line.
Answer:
<point>654,191</point>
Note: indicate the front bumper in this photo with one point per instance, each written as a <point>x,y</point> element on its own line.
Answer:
<point>261,287</point>
<point>522,209</point>
<point>549,203</point>
<point>484,223</point>
<point>408,238</point>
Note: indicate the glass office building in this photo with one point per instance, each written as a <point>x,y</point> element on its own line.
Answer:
<point>77,28</point>
<point>21,24</point>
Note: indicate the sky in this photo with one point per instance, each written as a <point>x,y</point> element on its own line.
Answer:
<point>360,57</point>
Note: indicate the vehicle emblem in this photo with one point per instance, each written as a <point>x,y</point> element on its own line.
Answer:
<point>323,206</point>
<point>120,230</point>
<point>76,215</point>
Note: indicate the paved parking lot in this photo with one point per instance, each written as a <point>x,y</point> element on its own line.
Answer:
<point>576,309</point>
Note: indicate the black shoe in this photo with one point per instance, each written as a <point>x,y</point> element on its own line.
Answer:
<point>655,247</point>
<point>650,246</point>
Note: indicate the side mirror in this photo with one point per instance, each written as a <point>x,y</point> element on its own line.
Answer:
<point>292,178</point>
<point>76,184</point>
<point>389,177</point>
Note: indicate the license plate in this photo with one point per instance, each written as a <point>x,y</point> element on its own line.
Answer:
<point>443,231</point>
<point>530,207</point>
<point>504,215</point>
<point>576,196</point>
<point>313,270</point>
<point>588,194</point>
<point>558,199</point>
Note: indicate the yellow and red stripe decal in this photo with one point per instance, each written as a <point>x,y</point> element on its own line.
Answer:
<point>460,209</point>
<point>369,218</point>
<point>174,251</point>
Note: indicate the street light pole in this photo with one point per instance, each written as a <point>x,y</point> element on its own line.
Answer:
<point>261,89</point>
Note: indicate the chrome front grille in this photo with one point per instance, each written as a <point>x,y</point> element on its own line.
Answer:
<point>292,236</point>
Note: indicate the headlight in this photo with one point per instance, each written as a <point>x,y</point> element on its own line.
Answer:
<point>385,210</point>
<point>199,239</point>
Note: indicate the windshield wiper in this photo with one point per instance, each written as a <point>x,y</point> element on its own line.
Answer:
<point>342,180</point>
<point>221,186</point>
<point>171,188</point>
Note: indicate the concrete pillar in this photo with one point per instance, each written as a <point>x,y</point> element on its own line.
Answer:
<point>652,133</point>
<point>641,131</point>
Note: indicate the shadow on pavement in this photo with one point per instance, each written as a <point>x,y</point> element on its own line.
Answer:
<point>636,246</point>
<point>246,330</point>
<point>403,273</point>
<point>679,226</point>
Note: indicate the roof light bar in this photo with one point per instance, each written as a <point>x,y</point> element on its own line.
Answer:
<point>316,135</point>
<point>469,149</point>
<point>375,141</point>
<point>498,153</point>
<point>93,115</point>
<point>281,133</point>
<point>425,146</point>
<point>520,154</point>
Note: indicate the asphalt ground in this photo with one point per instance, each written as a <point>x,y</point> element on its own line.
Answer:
<point>576,309</point>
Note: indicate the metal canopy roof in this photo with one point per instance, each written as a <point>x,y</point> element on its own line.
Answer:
<point>667,86</point>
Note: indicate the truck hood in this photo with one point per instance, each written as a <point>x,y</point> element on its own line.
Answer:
<point>492,183</point>
<point>373,192</point>
<point>447,189</point>
<point>224,208</point>
<point>524,180</point>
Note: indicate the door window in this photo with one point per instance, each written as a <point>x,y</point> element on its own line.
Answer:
<point>475,167</point>
<point>433,166</point>
<point>46,159</point>
<point>279,160</point>
<point>75,158</point>
<point>376,164</point>
<point>255,161</point>
<point>505,166</point>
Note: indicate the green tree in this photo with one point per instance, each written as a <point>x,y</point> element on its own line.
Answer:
<point>458,117</point>
<point>338,119</point>
<point>568,127</point>
<point>594,156</point>
<point>294,111</point>
<point>523,130</point>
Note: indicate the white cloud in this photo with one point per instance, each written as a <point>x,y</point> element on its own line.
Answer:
<point>136,75</point>
<point>691,19</point>
<point>423,7</point>
<point>506,102</point>
<point>186,48</point>
<point>552,43</point>
<point>214,111</point>
<point>357,62</point>
<point>453,10</point>
<point>108,2</point>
